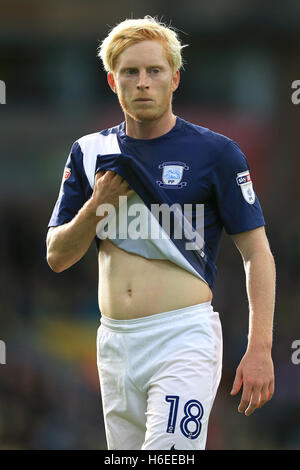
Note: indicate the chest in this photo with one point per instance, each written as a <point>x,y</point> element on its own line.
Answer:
<point>182,172</point>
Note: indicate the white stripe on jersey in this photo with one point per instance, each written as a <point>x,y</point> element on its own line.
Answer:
<point>93,145</point>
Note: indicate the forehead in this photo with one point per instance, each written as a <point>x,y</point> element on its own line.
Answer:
<point>143,53</point>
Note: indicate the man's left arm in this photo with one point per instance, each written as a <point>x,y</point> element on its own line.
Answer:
<point>255,371</point>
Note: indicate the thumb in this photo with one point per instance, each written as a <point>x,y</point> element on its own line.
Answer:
<point>237,383</point>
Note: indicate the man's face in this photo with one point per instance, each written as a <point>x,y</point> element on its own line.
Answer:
<point>144,81</point>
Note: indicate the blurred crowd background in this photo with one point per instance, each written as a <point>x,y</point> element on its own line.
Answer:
<point>239,66</point>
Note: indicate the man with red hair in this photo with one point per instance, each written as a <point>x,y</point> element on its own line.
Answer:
<point>159,345</point>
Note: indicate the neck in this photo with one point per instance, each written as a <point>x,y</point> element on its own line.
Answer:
<point>149,129</point>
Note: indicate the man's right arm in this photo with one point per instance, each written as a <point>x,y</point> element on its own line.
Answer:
<point>68,243</point>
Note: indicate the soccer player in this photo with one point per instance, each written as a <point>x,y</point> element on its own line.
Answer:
<point>159,344</point>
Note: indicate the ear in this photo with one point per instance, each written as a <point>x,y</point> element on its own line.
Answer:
<point>111,82</point>
<point>176,80</point>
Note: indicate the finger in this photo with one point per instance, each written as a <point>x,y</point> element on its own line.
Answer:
<point>124,182</point>
<point>272,387</point>
<point>130,193</point>
<point>271,390</point>
<point>116,176</point>
<point>245,398</point>
<point>108,174</point>
<point>238,380</point>
<point>99,174</point>
<point>254,402</point>
<point>264,396</point>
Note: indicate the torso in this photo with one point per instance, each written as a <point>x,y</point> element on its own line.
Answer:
<point>131,286</point>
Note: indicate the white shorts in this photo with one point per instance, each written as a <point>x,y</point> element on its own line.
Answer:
<point>158,378</point>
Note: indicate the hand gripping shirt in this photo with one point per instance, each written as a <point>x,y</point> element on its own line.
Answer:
<point>189,184</point>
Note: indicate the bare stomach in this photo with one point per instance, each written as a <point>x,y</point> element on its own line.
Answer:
<point>131,286</point>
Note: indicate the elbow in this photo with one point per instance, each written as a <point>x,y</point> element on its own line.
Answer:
<point>54,263</point>
<point>54,259</point>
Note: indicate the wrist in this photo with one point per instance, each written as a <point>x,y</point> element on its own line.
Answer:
<point>91,209</point>
<point>260,344</point>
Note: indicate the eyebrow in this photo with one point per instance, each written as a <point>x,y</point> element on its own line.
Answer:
<point>136,67</point>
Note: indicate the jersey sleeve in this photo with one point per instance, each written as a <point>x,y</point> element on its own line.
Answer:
<point>74,189</point>
<point>237,202</point>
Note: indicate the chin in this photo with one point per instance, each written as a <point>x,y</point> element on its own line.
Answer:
<point>145,114</point>
<point>142,117</point>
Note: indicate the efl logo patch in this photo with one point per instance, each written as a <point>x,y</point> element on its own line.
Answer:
<point>244,181</point>
<point>67,173</point>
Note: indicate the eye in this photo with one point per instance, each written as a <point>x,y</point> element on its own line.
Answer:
<point>155,71</point>
<point>130,71</point>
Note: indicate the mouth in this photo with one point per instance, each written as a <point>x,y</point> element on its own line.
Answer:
<point>143,100</point>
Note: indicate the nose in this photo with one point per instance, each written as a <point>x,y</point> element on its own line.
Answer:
<point>143,82</point>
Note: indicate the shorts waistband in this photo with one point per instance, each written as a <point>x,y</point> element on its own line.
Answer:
<point>160,319</point>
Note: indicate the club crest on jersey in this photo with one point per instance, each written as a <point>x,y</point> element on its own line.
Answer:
<point>244,181</point>
<point>172,173</point>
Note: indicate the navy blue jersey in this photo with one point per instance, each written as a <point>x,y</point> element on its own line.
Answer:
<point>202,175</point>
